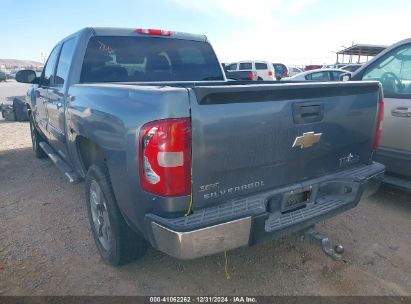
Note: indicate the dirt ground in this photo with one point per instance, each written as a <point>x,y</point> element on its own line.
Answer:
<point>46,247</point>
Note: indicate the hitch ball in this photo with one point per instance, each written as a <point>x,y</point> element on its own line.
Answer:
<point>339,249</point>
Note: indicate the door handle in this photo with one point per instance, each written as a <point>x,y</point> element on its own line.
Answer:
<point>307,112</point>
<point>401,112</point>
<point>310,111</point>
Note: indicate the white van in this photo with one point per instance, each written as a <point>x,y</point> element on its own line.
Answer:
<point>263,70</point>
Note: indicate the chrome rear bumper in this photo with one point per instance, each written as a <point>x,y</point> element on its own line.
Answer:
<point>202,242</point>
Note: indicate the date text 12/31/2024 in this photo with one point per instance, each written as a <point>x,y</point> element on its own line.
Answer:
<point>205,299</point>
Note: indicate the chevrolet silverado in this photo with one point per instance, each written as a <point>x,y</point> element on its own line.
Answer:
<point>174,155</point>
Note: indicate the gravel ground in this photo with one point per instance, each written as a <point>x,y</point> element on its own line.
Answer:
<point>46,247</point>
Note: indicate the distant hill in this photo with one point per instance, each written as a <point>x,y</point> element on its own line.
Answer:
<point>16,63</point>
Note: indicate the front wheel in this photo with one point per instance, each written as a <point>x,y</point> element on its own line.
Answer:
<point>116,242</point>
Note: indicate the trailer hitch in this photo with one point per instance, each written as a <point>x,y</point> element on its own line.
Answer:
<point>314,237</point>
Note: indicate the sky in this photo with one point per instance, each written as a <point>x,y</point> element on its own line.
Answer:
<point>294,32</point>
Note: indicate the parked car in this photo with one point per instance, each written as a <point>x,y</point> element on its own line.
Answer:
<point>292,71</point>
<point>173,154</point>
<point>392,67</point>
<point>3,76</point>
<point>318,75</point>
<point>261,70</point>
<point>351,67</point>
<point>281,70</point>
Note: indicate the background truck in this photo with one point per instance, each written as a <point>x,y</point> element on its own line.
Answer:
<point>392,68</point>
<point>174,155</point>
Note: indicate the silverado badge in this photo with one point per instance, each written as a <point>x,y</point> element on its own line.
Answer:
<point>307,140</point>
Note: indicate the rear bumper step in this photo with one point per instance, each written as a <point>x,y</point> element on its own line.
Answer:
<point>250,220</point>
<point>60,163</point>
<point>278,222</point>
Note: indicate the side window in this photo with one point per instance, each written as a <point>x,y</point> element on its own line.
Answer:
<point>64,62</point>
<point>319,76</point>
<point>336,75</point>
<point>246,66</point>
<point>232,67</point>
<point>260,66</point>
<point>393,71</point>
<point>48,71</point>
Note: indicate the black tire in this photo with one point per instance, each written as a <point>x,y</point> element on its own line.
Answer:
<point>35,140</point>
<point>124,245</point>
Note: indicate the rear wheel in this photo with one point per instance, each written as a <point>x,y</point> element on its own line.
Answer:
<point>116,242</point>
<point>35,140</point>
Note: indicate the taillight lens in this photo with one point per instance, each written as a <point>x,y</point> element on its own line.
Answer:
<point>165,157</point>
<point>251,76</point>
<point>270,73</point>
<point>378,133</point>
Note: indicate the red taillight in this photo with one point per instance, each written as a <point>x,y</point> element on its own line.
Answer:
<point>153,32</point>
<point>165,157</point>
<point>270,73</point>
<point>379,126</point>
<point>251,76</point>
<point>286,73</point>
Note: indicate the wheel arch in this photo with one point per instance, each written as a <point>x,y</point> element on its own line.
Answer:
<point>89,152</point>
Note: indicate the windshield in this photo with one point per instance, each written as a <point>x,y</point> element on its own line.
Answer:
<point>140,59</point>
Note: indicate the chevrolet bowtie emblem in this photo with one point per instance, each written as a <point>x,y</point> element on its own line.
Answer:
<point>307,140</point>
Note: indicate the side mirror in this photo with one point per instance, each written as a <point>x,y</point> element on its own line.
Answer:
<point>345,77</point>
<point>26,76</point>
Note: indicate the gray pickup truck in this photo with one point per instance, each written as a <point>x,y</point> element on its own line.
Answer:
<point>174,155</point>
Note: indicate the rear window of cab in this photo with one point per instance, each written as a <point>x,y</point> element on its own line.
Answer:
<point>148,59</point>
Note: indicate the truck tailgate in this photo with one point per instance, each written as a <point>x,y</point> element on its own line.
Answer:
<point>250,138</point>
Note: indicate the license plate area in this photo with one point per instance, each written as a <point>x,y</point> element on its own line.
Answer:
<point>295,200</point>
